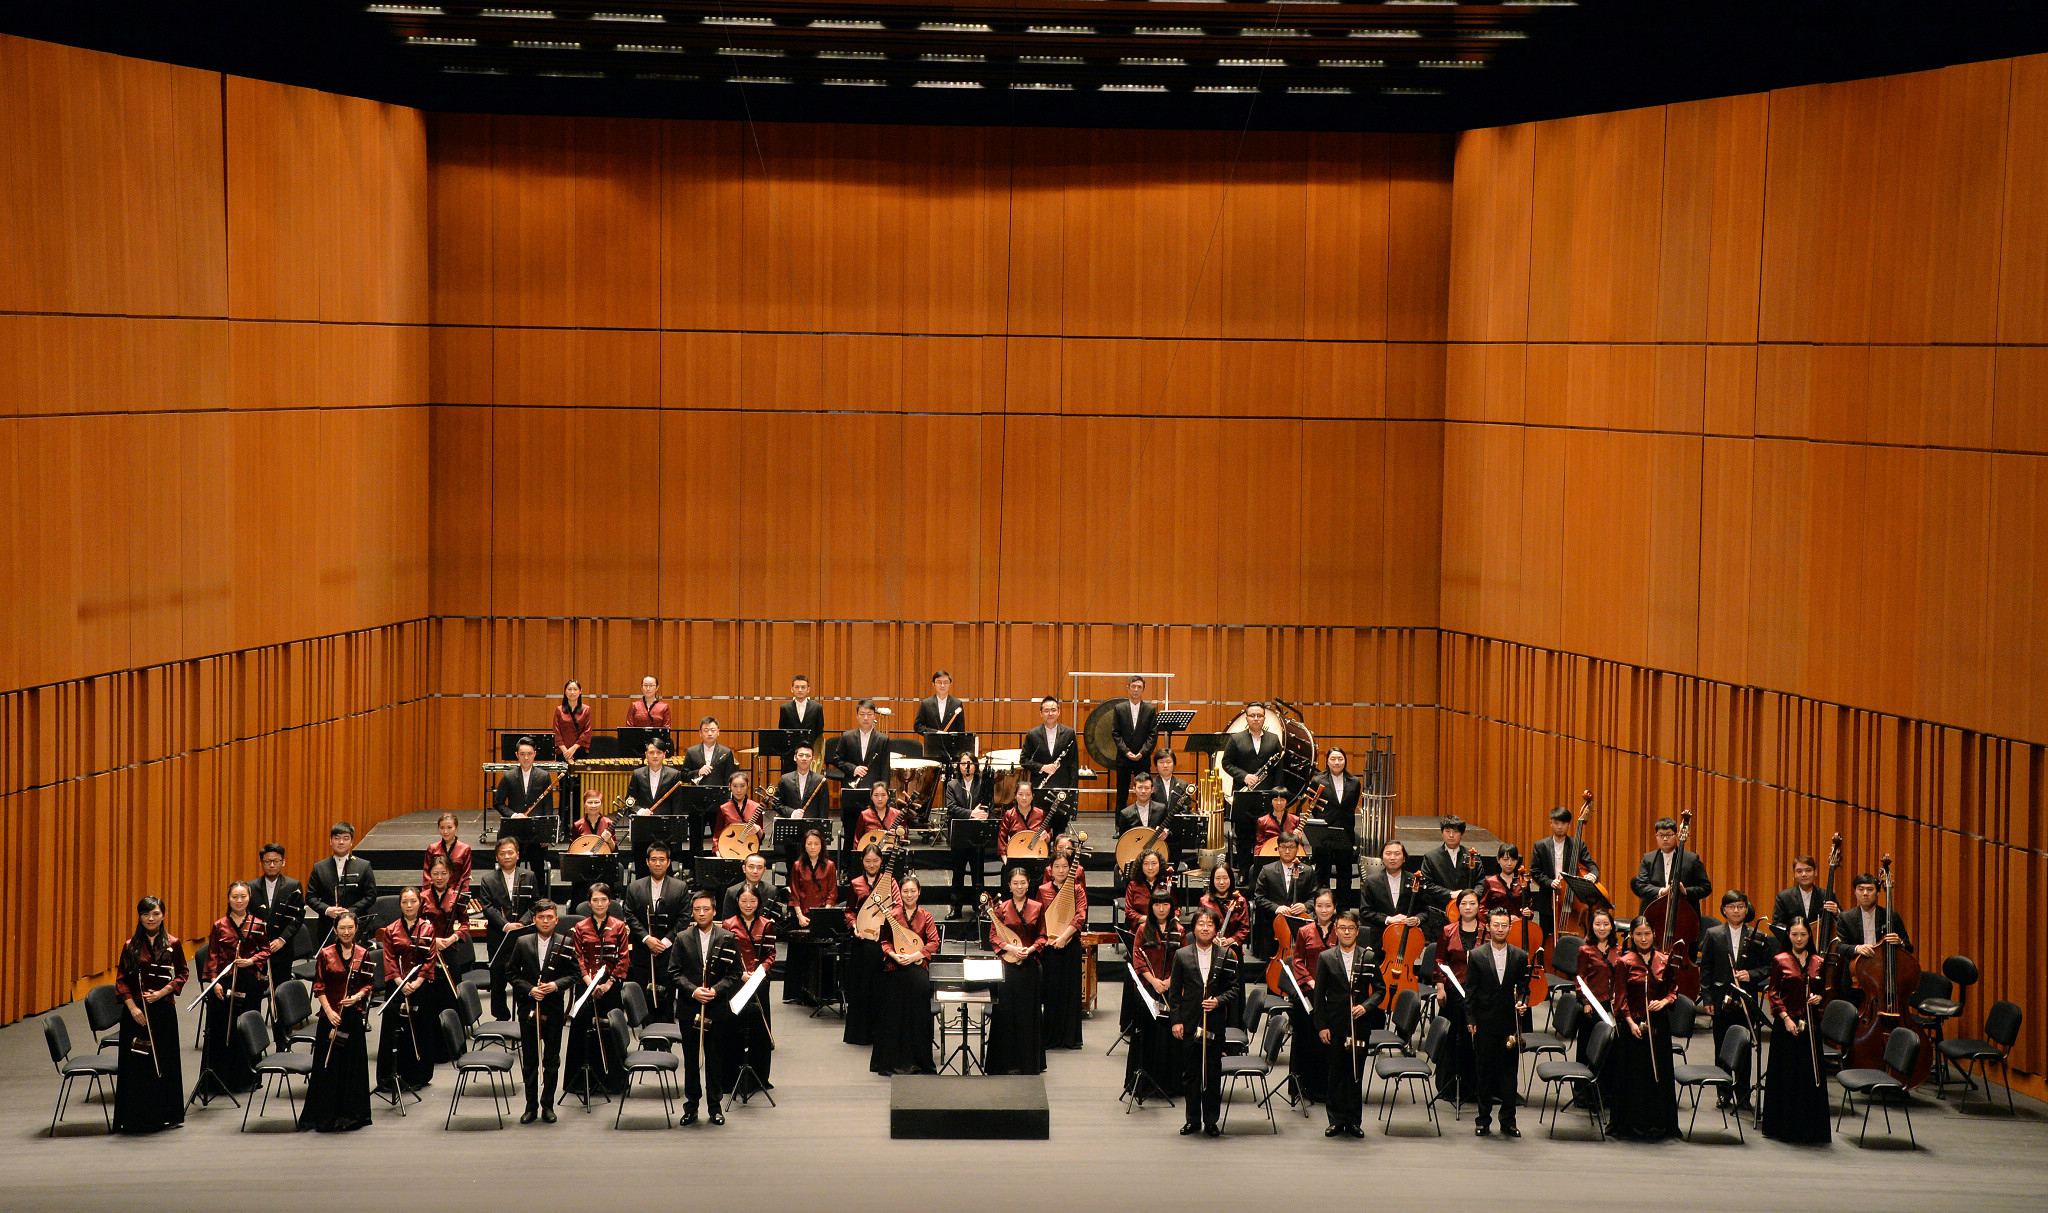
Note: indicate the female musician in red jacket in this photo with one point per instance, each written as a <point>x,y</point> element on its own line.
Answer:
<point>1457,1071</point>
<point>149,1094</point>
<point>1305,1060</point>
<point>1148,880</point>
<point>1795,1093</point>
<point>573,721</point>
<point>813,885</point>
<point>903,1026</point>
<point>1498,892</point>
<point>1229,906</point>
<point>649,710</point>
<point>237,941</point>
<point>409,1038</point>
<point>751,1041</point>
<point>1060,963</point>
<point>1596,969</point>
<point>604,946</point>
<point>1154,1053</point>
<point>741,806</point>
<point>453,849</point>
<point>863,958</point>
<point>338,1089</point>
<point>1645,1097</point>
<point>1016,1032</point>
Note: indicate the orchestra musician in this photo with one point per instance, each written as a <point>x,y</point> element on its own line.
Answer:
<point>1149,879</point>
<point>801,715</point>
<point>651,781</point>
<point>1796,1102</point>
<point>508,894</point>
<point>451,848</point>
<point>707,765</point>
<point>280,902</point>
<point>800,794</point>
<point>1865,925</point>
<point>1496,999</point>
<point>1735,967</point>
<point>409,1043</point>
<point>1060,962</point>
<point>1667,867</point>
<point>446,909</point>
<point>543,972</point>
<point>704,966</point>
<point>1457,1070</point>
<point>237,941</point>
<point>968,794</point>
<point>813,885</point>
<point>1155,937</point>
<point>594,821</point>
<point>1390,898</point>
<point>740,806</point>
<point>1645,1097</point>
<point>1275,821</point>
<point>1339,811</point>
<point>862,764</point>
<point>1016,1034</point>
<point>1305,1059</point>
<point>521,790</point>
<point>573,719</point>
<point>649,710</point>
<point>750,1039</point>
<point>341,881</point>
<point>1450,868</point>
<point>149,1091</point>
<point>940,712</point>
<point>1134,729</point>
<point>338,1086</point>
<point>1597,957</point>
<point>1176,794</point>
<point>858,984</point>
<point>1233,912</point>
<point>604,946</point>
<point>1051,760</point>
<point>753,879</point>
<point>1142,811</point>
<point>1347,989</point>
<point>1805,901</point>
<point>1552,859</point>
<point>1498,891</point>
<point>1203,993</point>
<point>1286,887</point>
<point>879,814</point>
<point>903,1025</point>
<point>653,906</point>
<point>1245,757</point>
<point>1020,816</point>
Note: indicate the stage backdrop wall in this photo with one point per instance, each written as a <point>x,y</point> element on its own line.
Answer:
<point>213,466</point>
<point>1746,461</point>
<point>727,404</point>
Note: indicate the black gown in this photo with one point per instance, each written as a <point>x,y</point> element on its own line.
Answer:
<point>224,1066</point>
<point>150,1094</point>
<point>1645,1095</point>
<point>1059,977</point>
<point>1795,1101</point>
<point>1016,1024</point>
<point>1457,1067</point>
<point>1153,1048</point>
<point>338,1090</point>
<point>903,1011</point>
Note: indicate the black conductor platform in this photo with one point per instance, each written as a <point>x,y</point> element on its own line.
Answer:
<point>980,1107</point>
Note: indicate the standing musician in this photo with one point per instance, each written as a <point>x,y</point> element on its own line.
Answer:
<point>753,879</point>
<point>801,715</point>
<point>1016,1033</point>
<point>651,781</point>
<point>1203,993</point>
<point>447,909</point>
<point>1499,891</point>
<point>237,941</point>
<point>1597,957</point>
<point>1804,901</point>
<point>1146,881</point>
<point>1451,868</point>
<point>521,790</point>
<point>1060,963</point>
<point>1020,816</point>
<point>280,902</point>
<point>1339,811</point>
<point>1155,936</point>
<point>149,1091</point>
<point>1795,1090</point>
<point>604,948</point>
<point>572,725</point>
<point>1051,759</point>
<point>1233,912</point>
<point>341,881</point>
<point>705,969</point>
<point>707,765</point>
<point>940,712</point>
<point>1668,868</point>
<point>1176,794</point>
<point>338,1086</point>
<point>800,794</point>
<point>1457,1071</point>
<point>862,764</point>
<point>1347,989</point>
<point>1645,1096</point>
<point>1735,965</point>
<point>740,806</point>
<point>1245,757</point>
<point>652,907</point>
<point>1134,727</point>
<point>1390,898</point>
<point>649,710</point>
<point>1551,860</point>
<point>508,894</point>
<point>751,1042</point>
<point>862,975</point>
<point>903,1030</point>
<point>451,848</point>
<point>968,794</point>
<point>813,885</point>
<point>1496,997</point>
<point>1866,926</point>
<point>410,1041</point>
<point>1305,1059</point>
<point>543,972</point>
<point>878,815</point>
<point>1143,812</point>
<point>1286,887</point>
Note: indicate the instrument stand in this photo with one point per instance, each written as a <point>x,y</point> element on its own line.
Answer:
<point>1136,1096</point>
<point>967,1028</point>
<point>745,1085</point>
<point>1122,1038</point>
<point>396,1098</point>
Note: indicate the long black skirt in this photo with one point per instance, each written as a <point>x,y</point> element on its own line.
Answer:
<point>1154,1051</point>
<point>150,1094</point>
<point>863,976</point>
<point>1795,1104</point>
<point>338,1091</point>
<point>796,970</point>
<point>226,1067</point>
<point>1457,1066</point>
<point>1060,982</point>
<point>903,1023</point>
<point>1305,1056</point>
<point>408,1036</point>
<point>1016,1029</point>
<point>749,1041</point>
<point>588,1046</point>
<point>1645,1096</point>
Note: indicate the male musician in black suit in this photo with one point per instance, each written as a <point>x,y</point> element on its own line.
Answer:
<point>707,765</point>
<point>941,713</point>
<point>1203,994</point>
<point>704,967</point>
<point>801,714</point>
<point>1450,868</point>
<point>1347,989</point>
<point>507,893</point>
<point>860,764</point>
<point>1735,965</point>
<point>1338,810</point>
<point>1865,925</point>
<point>1805,902</point>
<point>1496,994</point>
<point>1144,810</point>
<point>520,790</point>
<point>279,903</point>
<point>1252,760</point>
<point>968,796</point>
<point>653,780</point>
<point>753,875</point>
<point>801,793</point>
<point>1668,867</point>
<point>341,882</point>
<point>1052,762</point>
<point>1134,728</point>
<point>543,973</point>
<point>652,907</point>
<point>1552,859</point>
<point>1389,896</point>
<point>1286,887</point>
<point>1178,795</point>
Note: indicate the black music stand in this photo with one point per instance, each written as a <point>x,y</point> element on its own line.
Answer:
<point>947,747</point>
<point>1186,833</point>
<point>535,835</point>
<point>1204,743</point>
<point>652,829</point>
<point>697,803</point>
<point>714,876</point>
<point>830,930</point>
<point>1327,837</point>
<point>633,741</point>
<point>543,744</point>
<point>1589,893</point>
<point>787,840</point>
<point>1173,720</point>
<point>779,743</point>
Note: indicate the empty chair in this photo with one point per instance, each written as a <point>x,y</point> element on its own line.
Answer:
<point>1728,1062</point>
<point>1901,1055</point>
<point>103,1011</point>
<point>1254,1068</point>
<point>1400,1069</point>
<point>503,1033</point>
<point>469,1065</point>
<point>2001,1029</point>
<point>1564,959</point>
<point>276,1070</point>
<point>653,1034</point>
<point>57,1035</point>
<point>661,1063</point>
<point>1682,1019</point>
<point>1837,1031</point>
<point>383,913</point>
<point>1560,1040</point>
<point>1395,1038</point>
<point>1581,1076</point>
<point>293,1005</point>
<point>1943,1002</point>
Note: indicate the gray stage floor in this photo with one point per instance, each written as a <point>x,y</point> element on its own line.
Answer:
<point>827,1144</point>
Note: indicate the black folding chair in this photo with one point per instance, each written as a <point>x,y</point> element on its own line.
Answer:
<point>93,1068</point>
<point>1901,1055</point>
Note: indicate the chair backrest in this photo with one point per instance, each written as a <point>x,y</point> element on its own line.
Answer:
<point>1598,1042</point>
<point>1681,1018</point>
<point>471,1005</point>
<point>616,1035</point>
<point>1734,1047</point>
<point>1269,1036</point>
<point>57,1035</point>
<point>294,1003</point>
<point>1962,971</point>
<point>304,943</point>
<point>451,1034</point>
<point>1407,1014</point>
<point>384,911</point>
<point>1255,999</point>
<point>1838,1023</point>
<point>199,955</point>
<point>1902,1052</point>
<point>1425,964</point>
<point>906,747</point>
<point>102,1008</point>
<point>1566,1026</point>
<point>373,964</point>
<point>2002,1024</point>
<point>1433,1039</point>
<point>253,1035</point>
<point>1565,955</point>
<point>1932,985</point>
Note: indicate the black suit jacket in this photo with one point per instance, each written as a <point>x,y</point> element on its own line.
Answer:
<point>1182,790</point>
<point>1270,892</point>
<point>517,795</point>
<point>1334,995</point>
<point>354,887</point>
<point>1441,874</point>
<point>1130,818</point>
<point>635,907</point>
<point>1038,750</point>
<point>1130,736</point>
<point>964,796</point>
<point>284,920</point>
<point>688,968</point>
<point>1185,992</point>
<point>1852,927</point>
<point>502,905</point>
<point>1718,968</point>
<point>929,720</point>
<point>1375,905</point>
<point>524,972</point>
<point>1543,869</point>
<point>1686,866</point>
<point>1490,1000</point>
<point>643,793</point>
<point>771,905</point>
<point>722,765</point>
<point>1242,758</point>
<point>1789,905</point>
<point>848,757</point>
<point>811,723</point>
<point>790,800</point>
<point>1338,811</point>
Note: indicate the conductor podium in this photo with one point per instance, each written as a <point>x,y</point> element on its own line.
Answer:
<point>981,1107</point>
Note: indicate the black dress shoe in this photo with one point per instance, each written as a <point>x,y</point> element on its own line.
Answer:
<point>1482,1131</point>
<point>1334,1131</point>
<point>1355,1131</point>
<point>1189,1130</point>
<point>690,1116</point>
<point>717,1118</point>
<point>529,1116</point>
<point>1510,1131</point>
<point>1211,1131</point>
<point>547,1116</point>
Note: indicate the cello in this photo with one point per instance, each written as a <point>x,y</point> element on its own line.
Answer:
<point>1887,979</point>
<point>1401,947</point>
<point>1677,921</point>
<point>1527,934</point>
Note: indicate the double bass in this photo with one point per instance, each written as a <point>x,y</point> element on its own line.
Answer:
<point>1677,923</point>
<point>1568,915</point>
<point>1887,978</point>
<point>1827,933</point>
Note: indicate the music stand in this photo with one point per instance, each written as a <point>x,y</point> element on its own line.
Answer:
<point>965,833</point>
<point>780,743</point>
<point>1204,743</point>
<point>1589,893</point>
<point>652,829</point>
<point>787,840</point>
<point>1186,833</point>
<point>532,832</point>
<point>543,744</point>
<point>1173,720</point>
<point>1327,838</point>
<point>714,876</point>
<point>947,747</point>
<point>587,870</point>
<point>633,741</point>
<point>829,932</point>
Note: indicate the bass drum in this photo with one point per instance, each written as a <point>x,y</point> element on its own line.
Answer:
<point>1297,750</point>
<point>914,781</point>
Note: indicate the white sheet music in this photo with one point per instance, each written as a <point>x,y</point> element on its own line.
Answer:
<point>1151,1004</point>
<point>746,994</point>
<point>981,968</point>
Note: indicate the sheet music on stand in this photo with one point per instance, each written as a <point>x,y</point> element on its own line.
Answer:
<point>947,747</point>
<point>1152,1006</point>
<point>588,991</point>
<point>1287,971</point>
<point>981,969</point>
<point>746,992</point>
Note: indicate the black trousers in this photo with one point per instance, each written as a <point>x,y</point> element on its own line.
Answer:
<point>968,867</point>
<point>1728,1016</point>
<point>281,972</point>
<point>1333,871</point>
<point>1202,1084</point>
<point>1497,1065</point>
<point>540,1053</point>
<point>704,1081</point>
<point>1245,810</point>
<point>1343,1099</point>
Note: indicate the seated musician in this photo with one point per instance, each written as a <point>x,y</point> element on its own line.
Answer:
<point>1500,891</point>
<point>1021,816</point>
<point>753,879</point>
<point>741,807</point>
<point>1286,887</point>
<point>1866,926</point>
<point>1337,809</point>
<point>520,791</point>
<point>1277,821</point>
<point>879,815</point>
<point>1178,795</point>
<point>593,819</point>
<point>1450,868</point>
<point>1233,913</point>
<point>1148,880</point>
<point>967,799</point>
<point>451,848</point>
<point>801,793</point>
<point>652,781</point>
<point>1143,812</point>
<point>941,713</point>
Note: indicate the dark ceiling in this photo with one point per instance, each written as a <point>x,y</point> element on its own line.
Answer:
<point>1268,64</point>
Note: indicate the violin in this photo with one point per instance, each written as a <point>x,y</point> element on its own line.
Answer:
<point>1887,979</point>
